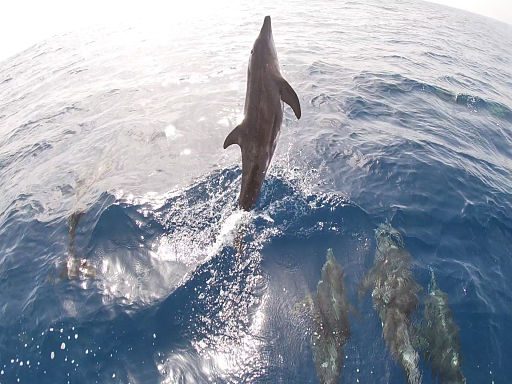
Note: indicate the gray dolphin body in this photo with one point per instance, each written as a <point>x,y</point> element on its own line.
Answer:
<point>395,297</point>
<point>257,134</point>
<point>331,326</point>
<point>442,337</point>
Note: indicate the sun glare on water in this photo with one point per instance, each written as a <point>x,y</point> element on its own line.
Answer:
<point>42,20</point>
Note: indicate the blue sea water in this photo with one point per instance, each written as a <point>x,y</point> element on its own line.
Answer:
<point>406,119</point>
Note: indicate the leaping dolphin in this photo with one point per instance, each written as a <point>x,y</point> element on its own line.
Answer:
<point>258,132</point>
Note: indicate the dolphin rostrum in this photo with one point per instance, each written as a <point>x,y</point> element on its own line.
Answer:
<point>258,132</point>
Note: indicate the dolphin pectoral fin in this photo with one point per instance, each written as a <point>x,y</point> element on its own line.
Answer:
<point>234,137</point>
<point>289,96</point>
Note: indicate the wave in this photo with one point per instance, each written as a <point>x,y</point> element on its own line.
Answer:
<point>191,269</point>
<point>393,86</point>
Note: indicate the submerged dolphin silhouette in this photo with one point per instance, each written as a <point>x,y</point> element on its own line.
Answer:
<point>331,329</point>
<point>258,132</point>
<point>441,335</point>
<point>395,297</point>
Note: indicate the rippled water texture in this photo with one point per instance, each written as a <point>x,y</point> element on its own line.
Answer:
<point>407,118</point>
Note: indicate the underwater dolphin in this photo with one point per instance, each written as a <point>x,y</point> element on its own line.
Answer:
<point>442,337</point>
<point>395,297</point>
<point>258,132</point>
<point>74,266</point>
<point>331,327</point>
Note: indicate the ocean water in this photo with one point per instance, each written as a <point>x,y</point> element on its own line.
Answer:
<point>406,119</point>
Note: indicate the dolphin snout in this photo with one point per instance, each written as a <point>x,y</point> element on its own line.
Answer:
<point>266,29</point>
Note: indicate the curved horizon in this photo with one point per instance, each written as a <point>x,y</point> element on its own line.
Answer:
<point>23,29</point>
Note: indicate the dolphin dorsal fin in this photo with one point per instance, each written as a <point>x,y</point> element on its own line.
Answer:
<point>234,137</point>
<point>289,96</point>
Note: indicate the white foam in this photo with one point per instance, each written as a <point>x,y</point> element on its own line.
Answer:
<point>171,132</point>
<point>228,230</point>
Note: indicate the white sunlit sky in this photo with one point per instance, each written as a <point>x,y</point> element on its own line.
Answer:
<point>26,22</point>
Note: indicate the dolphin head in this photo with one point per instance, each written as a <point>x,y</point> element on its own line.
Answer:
<point>388,237</point>
<point>263,51</point>
<point>332,271</point>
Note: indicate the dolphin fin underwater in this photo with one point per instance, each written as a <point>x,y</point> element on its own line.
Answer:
<point>263,114</point>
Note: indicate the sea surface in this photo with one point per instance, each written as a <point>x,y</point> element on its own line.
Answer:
<point>123,257</point>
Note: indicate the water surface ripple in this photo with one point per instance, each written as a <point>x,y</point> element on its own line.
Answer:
<point>407,118</point>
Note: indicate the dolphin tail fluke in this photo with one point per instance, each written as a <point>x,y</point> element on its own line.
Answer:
<point>234,137</point>
<point>289,96</point>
